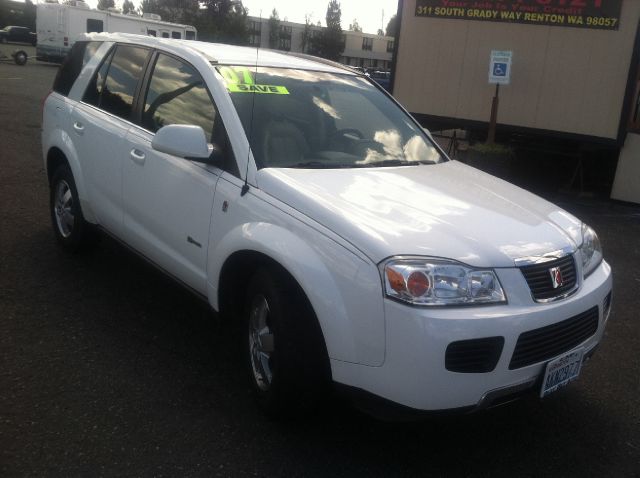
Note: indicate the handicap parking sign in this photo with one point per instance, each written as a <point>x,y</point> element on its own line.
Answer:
<point>500,67</point>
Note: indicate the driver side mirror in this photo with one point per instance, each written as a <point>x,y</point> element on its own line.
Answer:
<point>186,141</point>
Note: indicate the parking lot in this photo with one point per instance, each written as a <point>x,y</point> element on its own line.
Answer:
<point>108,368</point>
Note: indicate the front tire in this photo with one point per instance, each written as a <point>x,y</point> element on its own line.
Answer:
<point>69,227</point>
<point>285,351</point>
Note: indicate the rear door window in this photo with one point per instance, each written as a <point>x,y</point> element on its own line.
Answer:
<point>80,54</point>
<point>115,83</point>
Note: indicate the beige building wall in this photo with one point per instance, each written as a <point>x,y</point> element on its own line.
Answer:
<point>562,79</point>
<point>379,56</point>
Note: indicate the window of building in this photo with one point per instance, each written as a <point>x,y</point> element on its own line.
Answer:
<point>255,32</point>
<point>94,25</point>
<point>390,45</point>
<point>284,38</point>
<point>284,43</point>
<point>367,43</point>
<point>165,34</point>
<point>151,33</point>
<point>176,35</point>
<point>190,35</point>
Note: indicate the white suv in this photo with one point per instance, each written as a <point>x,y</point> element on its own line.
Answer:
<point>301,200</point>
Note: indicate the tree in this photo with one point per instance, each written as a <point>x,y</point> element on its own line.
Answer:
<point>104,4</point>
<point>355,27</point>
<point>128,7</point>
<point>330,43</point>
<point>177,11</point>
<point>223,21</point>
<point>306,33</point>
<point>380,32</point>
<point>392,26</point>
<point>274,29</point>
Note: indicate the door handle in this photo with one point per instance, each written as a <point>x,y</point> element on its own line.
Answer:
<point>79,127</point>
<point>137,156</point>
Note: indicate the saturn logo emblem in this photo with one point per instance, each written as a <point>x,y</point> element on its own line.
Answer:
<point>556,277</point>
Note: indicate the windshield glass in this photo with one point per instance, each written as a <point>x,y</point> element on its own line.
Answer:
<point>310,119</point>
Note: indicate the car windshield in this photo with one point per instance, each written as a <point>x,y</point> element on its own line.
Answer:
<point>310,119</point>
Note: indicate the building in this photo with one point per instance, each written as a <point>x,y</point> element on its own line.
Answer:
<point>361,49</point>
<point>574,73</point>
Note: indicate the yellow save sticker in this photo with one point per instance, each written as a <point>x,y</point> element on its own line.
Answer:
<point>267,89</point>
<point>239,80</point>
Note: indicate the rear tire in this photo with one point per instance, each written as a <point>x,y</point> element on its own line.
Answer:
<point>284,347</point>
<point>69,227</point>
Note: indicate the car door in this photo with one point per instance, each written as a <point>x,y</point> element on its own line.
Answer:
<point>100,123</point>
<point>167,199</point>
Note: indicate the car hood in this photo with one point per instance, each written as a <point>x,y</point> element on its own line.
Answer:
<point>445,210</point>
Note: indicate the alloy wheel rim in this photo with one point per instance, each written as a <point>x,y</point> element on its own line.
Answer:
<point>63,209</point>
<point>261,344</point>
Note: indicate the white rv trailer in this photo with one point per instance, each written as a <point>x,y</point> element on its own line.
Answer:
<point>59,25</point>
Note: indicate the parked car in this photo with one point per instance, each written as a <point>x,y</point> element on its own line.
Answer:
<point>383,78</point>
<point>12,34</point>
<point>305,203</point>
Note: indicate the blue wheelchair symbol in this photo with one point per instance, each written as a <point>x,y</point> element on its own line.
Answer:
<point>499,69</point>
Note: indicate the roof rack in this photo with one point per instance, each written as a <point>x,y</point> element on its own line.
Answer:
<point>317,59</point>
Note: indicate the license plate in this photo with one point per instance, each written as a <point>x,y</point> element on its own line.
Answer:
<point>561,371</point>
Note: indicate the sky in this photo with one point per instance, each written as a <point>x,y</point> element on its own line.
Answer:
<point>369,13</point>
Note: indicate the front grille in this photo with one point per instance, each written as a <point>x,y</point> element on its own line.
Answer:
<point>547,342</point>
<point>473,356</point>
<point>538,276</point>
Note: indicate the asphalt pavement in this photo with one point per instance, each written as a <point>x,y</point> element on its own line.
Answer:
<point>107,368</point>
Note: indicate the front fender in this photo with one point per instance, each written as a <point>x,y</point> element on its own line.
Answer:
<point>343,289</point>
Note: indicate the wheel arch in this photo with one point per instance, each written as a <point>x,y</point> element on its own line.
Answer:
<point>249,246</point>
<point>59,150</point>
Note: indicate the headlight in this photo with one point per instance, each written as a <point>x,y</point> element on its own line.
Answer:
<point>425,281</point>
<point>590,250</point>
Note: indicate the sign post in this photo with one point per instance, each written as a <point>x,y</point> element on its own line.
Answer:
<point>499,74</point>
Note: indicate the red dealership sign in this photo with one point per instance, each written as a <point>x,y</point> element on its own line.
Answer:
<point>600,14</point>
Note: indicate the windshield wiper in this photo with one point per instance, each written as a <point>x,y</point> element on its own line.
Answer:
<point>317,165</point>
<point>391,162</point>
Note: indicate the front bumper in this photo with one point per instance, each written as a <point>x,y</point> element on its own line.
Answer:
<point>413,373</point>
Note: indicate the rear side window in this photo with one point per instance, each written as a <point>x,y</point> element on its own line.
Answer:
<point>94,90</point>
<point>116,81</point>
<point>80,54</point>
